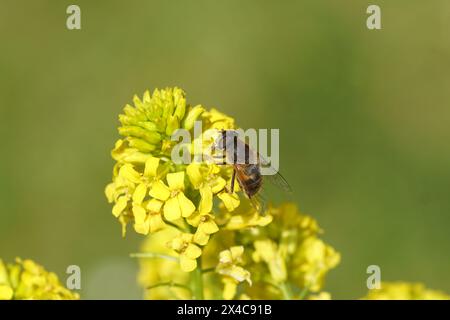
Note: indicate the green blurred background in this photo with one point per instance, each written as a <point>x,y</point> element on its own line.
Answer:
<point>364,118</point>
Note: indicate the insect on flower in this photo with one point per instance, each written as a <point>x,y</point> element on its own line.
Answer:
<point>247,165</point>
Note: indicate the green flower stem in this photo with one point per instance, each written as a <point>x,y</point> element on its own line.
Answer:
<point>207,270</point>
<point>197,282</point>
<point>169,284</point>
<point>153,255</point>
<point>303,293</point>
<point>286,290</point>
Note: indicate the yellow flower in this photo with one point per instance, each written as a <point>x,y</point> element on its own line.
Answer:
<point>267,251</point>
<point>176,204</point>
<point>148,188</point>
<point>230,200</point>
<point>129,190</point>
<point>217,120</point>
<point>207,179</point>
<point>184,245</point>
<point>405,291</point>
<point>229,266</point>
<point>151,191</point>
<point>147,214</point>
<point>245,217</point>
<point>311,262</point>
<point>27,280</point>
<point>205,227</point>
<point>160,270</point>
<point>6,291</point>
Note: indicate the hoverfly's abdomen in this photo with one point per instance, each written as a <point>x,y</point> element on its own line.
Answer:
<point>253,180</point>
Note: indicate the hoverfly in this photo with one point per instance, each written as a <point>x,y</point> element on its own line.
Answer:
<point>246,167</point>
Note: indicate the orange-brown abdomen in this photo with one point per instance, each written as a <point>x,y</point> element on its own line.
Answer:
<point>249,178</point>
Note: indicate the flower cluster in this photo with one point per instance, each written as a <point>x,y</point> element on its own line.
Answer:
<point>405,291</point>
<point>194,223</point>
<point>152,191</point>
<point>281,259</point>
<point>27,280</point>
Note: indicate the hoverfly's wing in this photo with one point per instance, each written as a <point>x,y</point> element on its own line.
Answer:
<point>275,177</point>
<point>259,203</point>
<point>278,180</point>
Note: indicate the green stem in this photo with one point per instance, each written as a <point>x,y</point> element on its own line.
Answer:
<point>303,293</point>
<point>286,290</point>
<point>197,282</point>
<point>169,284</point>
<point>147,255</point>
<point>207,270</point>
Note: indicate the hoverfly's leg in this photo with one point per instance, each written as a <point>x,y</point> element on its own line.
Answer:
<point>233,178</point>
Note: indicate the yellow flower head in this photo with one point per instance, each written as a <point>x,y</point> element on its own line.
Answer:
<point>156,194</point>
<point>205,225</point>
<point>158,275</point>
<point>151,190</point>
<point>267,251</point>
<point>206,178</point>
<point>405,291</point>
<point>230,268</point>
<point>188,251</point>
<point>27,280</point>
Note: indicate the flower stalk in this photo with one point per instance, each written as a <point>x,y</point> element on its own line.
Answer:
<point>286,291</point>
<point>197,283</point>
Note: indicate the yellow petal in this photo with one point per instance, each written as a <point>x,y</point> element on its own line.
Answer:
<point>4,277</point>
<point>218,184</point>
<point>194,174</point>
<point>120,205</point>
<point>194,219</point>
<point>237,251</point>
<point>139,193</point>
<point>225,257</point>
<point>201,238</point>
<point>187,264</point>
<point>172,210</point>
<point>229,290</point>
<point>176,180</point>
<point>156,222</point>
<point>176,243</point>
<point>239,274</point>
<point>206,202</point>
<point>186,206</point>
<point>154,205</point>
<point>192,116</point>
<point>110,191</point>
<point>6,292</point>
<point>268,251</point>
<point>127,171</point>
<point>139,214</point>
<point>187,237</point>
<point>151,167</point>
<point>142,228</point>
<point>231,201</point>
<point>159,191</point>
<point>208,226</point>
<point>192,251</point>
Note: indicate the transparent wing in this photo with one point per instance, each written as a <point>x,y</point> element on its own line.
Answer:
<point>275,177</point>
<point>278,180</point>
<point>259,203</point>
